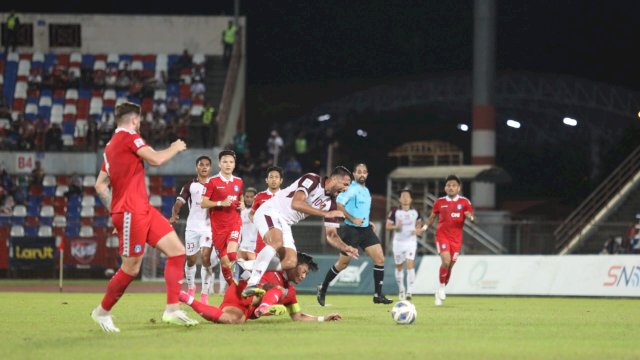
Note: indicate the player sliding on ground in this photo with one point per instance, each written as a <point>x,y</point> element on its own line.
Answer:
<point>451,210</point>
<point>279,298</point>
<point>136,221</point>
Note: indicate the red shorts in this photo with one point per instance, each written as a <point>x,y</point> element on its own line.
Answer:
<point>222,236</point>
<point>136,230</point>
<point>446,245</point>
<point>232,297</point>
<point>259,244</point>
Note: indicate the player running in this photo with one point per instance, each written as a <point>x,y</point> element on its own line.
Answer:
<point>406,222</point>
<point>136,221</point>
<point>451,210</point>
<point>309,195</point>
<point>197,236</point>
<point>224,201</point>
<point>249,233</point>
<point>280,297</point>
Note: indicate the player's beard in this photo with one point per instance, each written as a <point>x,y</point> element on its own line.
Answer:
<point>362,180</point>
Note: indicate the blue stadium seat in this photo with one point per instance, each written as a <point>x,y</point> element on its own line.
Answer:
<point>68,127</point>
<point>134,99</point>
<point>49,191</point>
<point>32,100</point>
<point>46,220</point>
<point>87,61</point>
<point>173,89</point>
<point>34,200</point>
<point>168,181</point>
<point>44,111</point>
<point>185,102</point>
<point>37,64</point>
<point>100,221</point>
<point>172,59</point>
<point>31,231</point>
<point>166,210</point>
<point>72,231</point>
<point>168,200</point>
<point>58,101</point>
<point>74,200</point>
<point>5,220</point>
<point>84,93</point>
<point>33,210</point>
<point>108,109</point>
<point>49,60</point>
<point>149,65</point>
<point>126,57</point>
<point>17,220</point>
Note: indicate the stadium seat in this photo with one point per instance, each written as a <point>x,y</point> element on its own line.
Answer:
<point>33,209</point>
<point>5,219</point>
<point>155,200</point>
<point>87,211</point>
<point>88,200</point>
<point>112,241</point>
<point>45,231</point>
<point>101,211</point>
<point>101,232</point>
<point>4,232</point>
<point>17,231</point>
<point>73,231</point>
<point>58,232</point>
<point>196,110</point>
<point>49,191</point>
<point>160,95</point>
<point>89,181</point>
<point>67,139</point>
<point>19,211</point>
<point>75,58</point>
<point>100,65</point>
<point>31,221</point>
<point>49,180</point>
<point>86,221</point>
<point>71,94</point>
<point>62,180</point>
<point>37,57</point>
<point>31,231</point>
<point>198,59</point>
<point>61,189</point>
<point>86,231</point>
<point>59,221</point>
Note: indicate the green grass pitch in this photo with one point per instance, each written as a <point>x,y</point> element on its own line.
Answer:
<point>58,326</point>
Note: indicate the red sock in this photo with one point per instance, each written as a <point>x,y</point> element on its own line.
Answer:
<point>173,275</point>
<point>444,274</point>
<point>272,296</point>
<point>233,256</point>
<point>117,285</point>
<point>446,281</point>
<point>208,312</point>
<point>226,273</point>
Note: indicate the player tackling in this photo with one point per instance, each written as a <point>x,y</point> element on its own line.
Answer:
<point>451,210</point>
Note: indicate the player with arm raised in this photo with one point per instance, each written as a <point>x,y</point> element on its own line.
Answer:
<point>451,210</point>
<point>136,221</point>
<point>309,195</point>
<point>406,222</point>
<point>224,201</point>
<point>197,236</point>
<point>280,297</point>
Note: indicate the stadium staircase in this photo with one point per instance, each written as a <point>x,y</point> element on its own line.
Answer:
<point>617,199</point>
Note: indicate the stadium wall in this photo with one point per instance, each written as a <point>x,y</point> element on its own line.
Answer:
<point>134,34</point>
<point>569,275</point>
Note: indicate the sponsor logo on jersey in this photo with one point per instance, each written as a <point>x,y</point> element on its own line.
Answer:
<point>455,215</point>
<point>138,142</point>
<point>220,187</point>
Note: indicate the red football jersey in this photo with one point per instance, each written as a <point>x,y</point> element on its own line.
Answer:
<point>126,172</point>
<point>260,198</point>
<point>220,189</point>
<point>451,217</point>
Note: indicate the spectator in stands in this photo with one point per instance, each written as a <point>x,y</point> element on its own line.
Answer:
<point>5,111</point>
<point>99,79</point>
<point>111,78</point>
<point>35,78</point>
<point>173,105</point>
<point>160,80</point>
<point>274,146</point>
<point>209,129</point>
<point>136,87</point>
<point>246,166</point>
<point>41,126</point>
<point>47,79</point>
<point>158,130</point>
<point>160,108</point>
<point>124,81</point>
<point>53,138</point>
<point>185,60</point>
<point>12,26</point>
<point>183,127</point>
<point>6,182</point>
<point>106,127</point>
<point>228,40</point>
<point>197,87</point>
<point>27,134</point>
<point>37,174</point>
<point>240,144</point>
<point>92,135</point>
<point>12,137</point>
<point>75,185</point>
<point>145,129</point>
<point>292,169</point>
<point>264,162</point>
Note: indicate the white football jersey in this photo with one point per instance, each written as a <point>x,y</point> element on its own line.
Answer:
<point>408,220</point>
<point>312,185</point>
<point>249,229</point>
<point>192,193</point>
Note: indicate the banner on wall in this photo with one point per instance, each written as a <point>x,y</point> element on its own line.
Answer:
<point>32,252</point>
<point>87,253</point>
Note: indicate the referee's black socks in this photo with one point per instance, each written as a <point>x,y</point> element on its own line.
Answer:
<point>378,278</point>
<point>331,274</point>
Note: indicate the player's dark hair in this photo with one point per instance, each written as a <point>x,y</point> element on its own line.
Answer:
<point>251,189</point>
<point>203,157</point>
<point>342,171</point>
<point>405,190</point>
<point>304,258</point>
<point>225,153</point>
<point>278,169</point>
<point>355,167</point>
<point>126,108</point>
<point>453,177</point>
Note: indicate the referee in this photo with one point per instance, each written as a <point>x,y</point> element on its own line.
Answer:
<point>355,203</point>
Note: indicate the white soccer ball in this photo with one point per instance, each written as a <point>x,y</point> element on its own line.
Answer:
<point>404,312</point>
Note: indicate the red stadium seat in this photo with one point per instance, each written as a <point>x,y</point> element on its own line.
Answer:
<point>60,209</point>
<point>168,191</point>
<point>24,78</point>
<point>69,117</point>
<point>18,105</point>
<point>86,221</point>
<point>58,231</point>
<point>155,180</point>
<point>35,190</point>
<point>101,211</point>
<point>96,93</point>
<point>31,221</point>
<point>88,190</point>
<point>60,200</point>
<point>63,59</point>
<point>155,189</point>
<point>4,232</point>
<point>33,93</point>
<point>149,58</point>
<point>102,232</point>
<point>137,57</point>
<point>25,56</point>
<point>48,200</point>
<point>147,105</point>
<point>59,94</point>
<point>62,180</point>
<point>102,57</point>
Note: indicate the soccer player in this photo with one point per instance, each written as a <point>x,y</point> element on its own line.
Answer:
<point>279,298</point>
<point>249,233</point>
<point>451,210</point>
<point>274,181</point>
<point>197,236</point>
<point>309,195</point>
<point>224,201</point>
<point>406,222</point>
<point>136,221</point>
<point>355,203</point>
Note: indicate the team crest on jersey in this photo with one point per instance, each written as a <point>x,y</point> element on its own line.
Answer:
<point>137,249</point>
<point>444,246</point>
<point>459,207</point>
<point>236,188</point>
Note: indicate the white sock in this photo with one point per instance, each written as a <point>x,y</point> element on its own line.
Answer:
<point>206,275</point>
<point>222,281</point>
<point>400,279</point>
<point>190,274</point>
<point>260,266</point>
<point>411,278</point>
<point>274,264</point>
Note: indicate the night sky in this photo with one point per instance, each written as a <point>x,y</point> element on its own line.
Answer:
<point>304,53</point>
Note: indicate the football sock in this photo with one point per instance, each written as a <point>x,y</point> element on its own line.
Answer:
<point>208,312</point>
<point>261,264</point>
<point>378,277</point>
<point>446,281</point>
<point>190,274</point>
<point>444,273</point>
<point>116,287</point>
<point>173,275</point>
<point>411,278</point>
<point>206,274</point>
<point>272,296</point>
<point>227,274</point>
<point>331,274</point>
<point>400,279</point>
<point>233,256</point>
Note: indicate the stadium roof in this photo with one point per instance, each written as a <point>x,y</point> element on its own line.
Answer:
<point>484,173</point>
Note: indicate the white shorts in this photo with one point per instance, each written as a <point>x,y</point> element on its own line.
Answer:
<point>249,239</point>
<point>266,219</point>
<point>404,250</point>
<point>194,240</point>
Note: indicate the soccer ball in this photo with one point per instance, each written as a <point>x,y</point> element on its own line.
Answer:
<point>404,312</point>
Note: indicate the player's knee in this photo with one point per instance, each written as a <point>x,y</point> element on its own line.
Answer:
<point>206,262</point>
<point>190,262</point>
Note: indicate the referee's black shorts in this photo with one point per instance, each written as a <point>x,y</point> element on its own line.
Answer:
<point>361,237</point>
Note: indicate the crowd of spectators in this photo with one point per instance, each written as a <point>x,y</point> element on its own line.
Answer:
<point>629,243</point>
